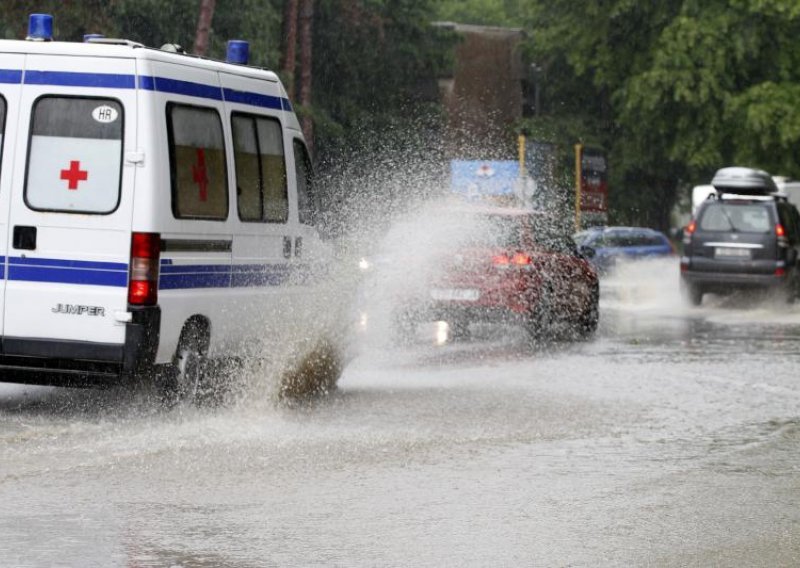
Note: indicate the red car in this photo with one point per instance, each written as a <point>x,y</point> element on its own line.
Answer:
<point>503,265</point>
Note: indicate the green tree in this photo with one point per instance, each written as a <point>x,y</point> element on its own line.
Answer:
<point>673,89</point>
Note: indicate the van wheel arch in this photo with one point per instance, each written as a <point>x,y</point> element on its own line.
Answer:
<point>184,380</point>
<point>196,331</point>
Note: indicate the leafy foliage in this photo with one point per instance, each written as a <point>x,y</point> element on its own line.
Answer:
<point>671,89</point>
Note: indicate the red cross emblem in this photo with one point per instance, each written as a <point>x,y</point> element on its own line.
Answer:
<point>74,174</point>
<point>200,174</point>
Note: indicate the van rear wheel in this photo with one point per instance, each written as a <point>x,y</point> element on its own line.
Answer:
<point>184,379</point>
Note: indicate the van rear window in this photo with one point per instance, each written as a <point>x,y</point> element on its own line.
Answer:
<point>75,157</point>
<point>197,163</point>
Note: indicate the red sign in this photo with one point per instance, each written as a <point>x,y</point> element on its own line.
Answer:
<point>74,174</point>
<point>594,181</point>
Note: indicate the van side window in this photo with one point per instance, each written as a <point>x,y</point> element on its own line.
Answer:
<point>261,187</point>
<point>306,198</point>
<point>75,157</point>
<point>197,163</point>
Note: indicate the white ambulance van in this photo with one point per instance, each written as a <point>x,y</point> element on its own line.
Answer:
<point>157,211</point>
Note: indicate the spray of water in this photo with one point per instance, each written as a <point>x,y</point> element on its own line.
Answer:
<point>652,286</point>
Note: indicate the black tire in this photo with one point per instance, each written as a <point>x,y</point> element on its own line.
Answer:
<point>539,324</point>
<point>183,382</point>
<point>587,324</point>
<point>403,327</point>
<point>459,330</point>
<point>693,294</point>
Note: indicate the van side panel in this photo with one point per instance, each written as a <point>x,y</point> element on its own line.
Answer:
<point>11,66</point>
<point>267,296</point>
<point>71,197</point>
<point>196,255</point>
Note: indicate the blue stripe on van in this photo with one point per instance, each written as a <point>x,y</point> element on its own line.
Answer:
<point>245,275</point>
<point>189,88</point>
<point>13,76</point>
<point>145,82</point>
<point>73,79</point>
<point>193,268</point>
<point>173,277</point>
<point>68,271</point>
<point>253,99</point>
<point>59,263</point>
<point>194,280</point>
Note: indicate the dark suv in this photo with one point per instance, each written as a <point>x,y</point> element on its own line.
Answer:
<point>741,242</point>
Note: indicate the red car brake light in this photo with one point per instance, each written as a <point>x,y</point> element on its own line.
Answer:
<point>520,259</point>
<point>501,260</point>
<point>515,259</point>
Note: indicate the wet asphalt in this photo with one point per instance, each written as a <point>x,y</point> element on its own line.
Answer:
<point>670,438</point>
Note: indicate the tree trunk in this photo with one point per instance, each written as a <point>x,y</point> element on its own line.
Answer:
<point>289,52</point>
<point>203,27</point>
<point>306,29</point>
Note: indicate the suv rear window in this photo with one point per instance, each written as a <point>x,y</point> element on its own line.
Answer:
<point>75,157</point>
<point>744,217</point>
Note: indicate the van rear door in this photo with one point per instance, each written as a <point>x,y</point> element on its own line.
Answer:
<point>69,231</point>
<point>10,79</point>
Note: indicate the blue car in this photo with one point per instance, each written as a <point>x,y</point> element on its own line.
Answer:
<point>605,246</point>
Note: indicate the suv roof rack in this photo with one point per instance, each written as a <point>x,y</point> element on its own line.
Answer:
<point>744,181</point>
<point>776,196</point>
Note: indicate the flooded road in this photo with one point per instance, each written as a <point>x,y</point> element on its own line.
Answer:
<point>669,439</point>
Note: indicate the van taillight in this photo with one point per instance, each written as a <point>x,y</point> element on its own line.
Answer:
<point>145,257</point>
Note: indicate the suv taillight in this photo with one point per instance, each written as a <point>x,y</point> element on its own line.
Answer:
<point>689,231</point>
<point>145,257</point>
<point>780,232</point>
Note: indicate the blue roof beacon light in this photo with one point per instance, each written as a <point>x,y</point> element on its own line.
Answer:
<point>89,37</point>
<point>238,52</point>
<point>40,27</point>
